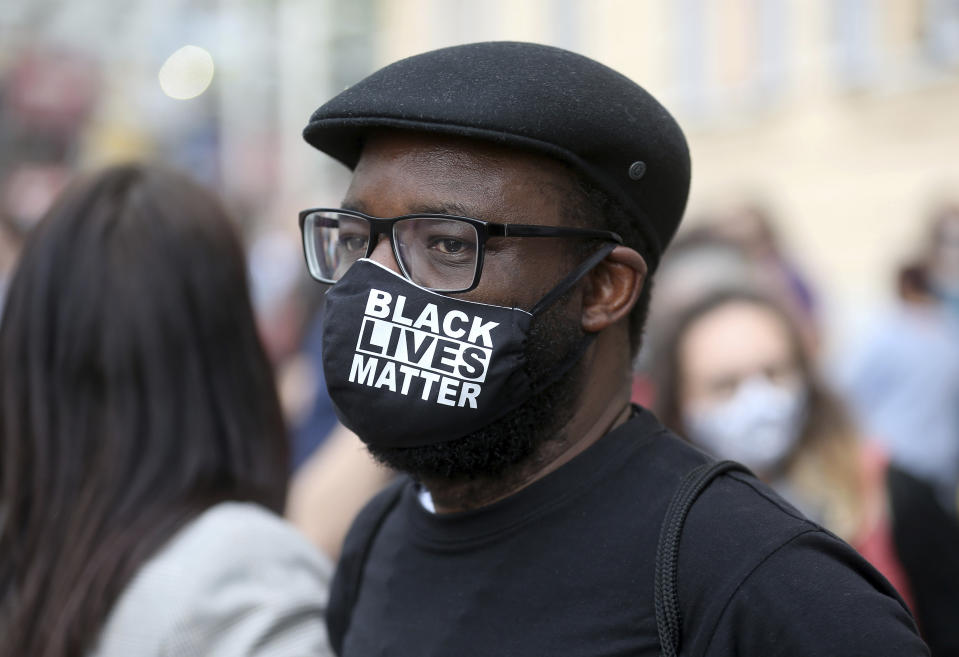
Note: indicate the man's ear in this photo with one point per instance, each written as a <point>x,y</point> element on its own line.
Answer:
<point>614,286</point>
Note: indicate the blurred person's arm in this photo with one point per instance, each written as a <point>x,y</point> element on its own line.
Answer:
<point>331,487</point>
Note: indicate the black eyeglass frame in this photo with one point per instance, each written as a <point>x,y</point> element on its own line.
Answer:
<point>484,230</point>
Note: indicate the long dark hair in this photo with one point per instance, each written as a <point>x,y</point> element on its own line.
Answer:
<point>135,394</point>
<point>826,464</point>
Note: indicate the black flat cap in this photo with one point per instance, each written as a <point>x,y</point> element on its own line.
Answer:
<point>532,97</point>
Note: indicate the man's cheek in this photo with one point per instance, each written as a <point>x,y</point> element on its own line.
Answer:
<point>516,281</point>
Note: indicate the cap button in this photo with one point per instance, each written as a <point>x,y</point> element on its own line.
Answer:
<point>637,170</point>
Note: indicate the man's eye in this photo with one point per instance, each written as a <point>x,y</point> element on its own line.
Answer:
<point>353,242</point>
<point>450,246</point>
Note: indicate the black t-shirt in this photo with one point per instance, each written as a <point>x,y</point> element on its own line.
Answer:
<point>566,567</point>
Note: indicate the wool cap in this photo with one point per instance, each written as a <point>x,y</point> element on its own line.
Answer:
<point>531,97</point>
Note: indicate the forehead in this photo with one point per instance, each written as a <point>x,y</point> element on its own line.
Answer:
<point>735,339</point>
<point>405,172</point>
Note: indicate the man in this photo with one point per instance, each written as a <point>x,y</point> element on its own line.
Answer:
<point>492,264</point>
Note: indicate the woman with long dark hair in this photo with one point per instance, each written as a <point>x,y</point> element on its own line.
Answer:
<point>142,448</point>
<point>734,376</point>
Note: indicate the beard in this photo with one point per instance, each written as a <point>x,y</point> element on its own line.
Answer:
<point>504,450</point>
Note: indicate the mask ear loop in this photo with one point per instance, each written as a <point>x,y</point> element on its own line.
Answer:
<point>561,288</point>
<point>571,359</point>
<point>572,278</point>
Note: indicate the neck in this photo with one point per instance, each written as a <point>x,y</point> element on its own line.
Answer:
<point>598,411</point>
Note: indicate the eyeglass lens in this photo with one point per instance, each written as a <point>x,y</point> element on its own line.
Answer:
<point>333,243</point>
<point>439,254</point>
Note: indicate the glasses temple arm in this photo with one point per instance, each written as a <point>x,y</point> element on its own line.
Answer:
<point>572,278</point>
<point>526,230</point>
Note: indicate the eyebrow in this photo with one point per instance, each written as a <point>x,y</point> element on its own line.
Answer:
<point>451,208</point>
<point>355,205</point>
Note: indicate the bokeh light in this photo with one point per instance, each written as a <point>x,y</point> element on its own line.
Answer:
<point>186,73</point>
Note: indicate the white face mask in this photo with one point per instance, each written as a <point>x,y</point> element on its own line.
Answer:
<point>758,426</point>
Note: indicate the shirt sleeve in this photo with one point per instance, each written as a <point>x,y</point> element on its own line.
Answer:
<point>814,596</point>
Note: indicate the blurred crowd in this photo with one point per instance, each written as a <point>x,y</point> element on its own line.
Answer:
<point>862,437</point>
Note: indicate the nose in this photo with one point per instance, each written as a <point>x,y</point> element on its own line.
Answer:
<point>383,254</point>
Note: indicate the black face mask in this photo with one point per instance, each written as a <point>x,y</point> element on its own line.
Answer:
<point>406,366</point>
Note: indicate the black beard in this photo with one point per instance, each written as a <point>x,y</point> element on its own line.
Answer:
<point>503,451</point>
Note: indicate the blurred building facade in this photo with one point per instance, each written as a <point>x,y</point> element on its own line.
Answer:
<point>842,116</point>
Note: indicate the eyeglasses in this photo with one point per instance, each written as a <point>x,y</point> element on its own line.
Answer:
<point>440,252</point>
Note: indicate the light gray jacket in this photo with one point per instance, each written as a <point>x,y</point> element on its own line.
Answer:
<point>236,581</point>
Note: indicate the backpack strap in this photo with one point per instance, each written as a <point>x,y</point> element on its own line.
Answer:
<point>668,616</point>
<point>349,571</point>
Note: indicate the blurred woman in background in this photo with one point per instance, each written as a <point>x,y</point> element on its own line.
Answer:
<point>142,449</point>
<point>735,377</point>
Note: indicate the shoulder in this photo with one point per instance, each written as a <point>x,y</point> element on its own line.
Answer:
<point>234,534</point>
<point>815,596</point>
<point>235,569</point>
<point>234,542</point>
<point>756,577</point>
<point>369,518</point>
